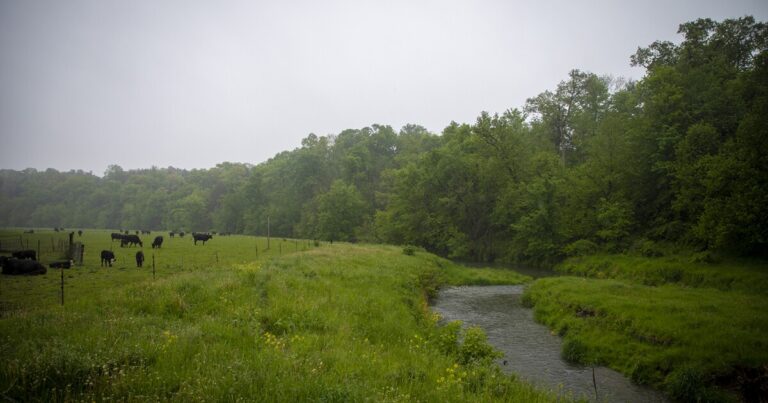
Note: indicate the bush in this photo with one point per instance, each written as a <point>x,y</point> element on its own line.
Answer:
<point>582,247</point>
<point>475,347</point>
<point>409,250</point>
<point>647,248</point>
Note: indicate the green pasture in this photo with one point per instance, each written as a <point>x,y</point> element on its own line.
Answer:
<point>329,323</point>
<point>695,330</point>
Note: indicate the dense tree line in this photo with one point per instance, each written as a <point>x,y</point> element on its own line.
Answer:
<point>680,155</point>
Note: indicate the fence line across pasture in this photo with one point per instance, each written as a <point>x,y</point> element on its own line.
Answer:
<point>78,281</point>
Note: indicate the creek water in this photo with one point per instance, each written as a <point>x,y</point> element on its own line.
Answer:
<point>530,350</point>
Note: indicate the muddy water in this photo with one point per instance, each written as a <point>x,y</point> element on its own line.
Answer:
<point>530,351</point>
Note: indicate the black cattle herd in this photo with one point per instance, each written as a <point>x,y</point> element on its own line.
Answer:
<point>24,262</point>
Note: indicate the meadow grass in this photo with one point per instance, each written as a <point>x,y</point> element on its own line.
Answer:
<point>331,323</point>
<point>681,269</point>
<point>694,343</point>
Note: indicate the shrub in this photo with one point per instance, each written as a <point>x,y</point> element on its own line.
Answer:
<point>409,250</point>
<point>475,347</point>
<point>582,247</point>
<point>647,248</point>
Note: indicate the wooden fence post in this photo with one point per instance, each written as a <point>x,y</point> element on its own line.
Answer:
<point>62,285</point>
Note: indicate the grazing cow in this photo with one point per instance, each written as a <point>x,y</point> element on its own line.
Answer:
<point>56,229</point>
<point>171,234</point>
<point>25,254</point>
<point>79,232</point>
<point>139,258</point>
<point>131,240</point>
<point>117,235</point>
<point>158,242</point>
<point>21,267</point>
<point>181,234</point>
<point>63,264</point>
<point>107,257</point>
<point>213,232</point>
<point>201,237</point>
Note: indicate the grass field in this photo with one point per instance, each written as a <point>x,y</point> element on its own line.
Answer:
<point>293,323</point>
<point>697,331</point>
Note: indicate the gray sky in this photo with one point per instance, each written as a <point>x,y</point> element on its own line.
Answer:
<point>86,84</point>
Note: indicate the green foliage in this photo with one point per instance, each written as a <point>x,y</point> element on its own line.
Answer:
<point>409,250</point>
<point>475,348</point>
<point>582,247</point>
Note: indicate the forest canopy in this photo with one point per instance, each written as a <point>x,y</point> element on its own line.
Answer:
<point>678,156</point>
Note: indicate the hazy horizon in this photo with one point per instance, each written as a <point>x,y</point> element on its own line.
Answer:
<point>88,84</point>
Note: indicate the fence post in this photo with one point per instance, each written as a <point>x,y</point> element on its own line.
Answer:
<point>62,285</point>
<point>38,250</point>
<point>153,265</point>
<point>217,257</point>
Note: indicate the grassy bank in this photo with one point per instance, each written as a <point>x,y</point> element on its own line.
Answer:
<point>333,323</point>
<point>688,334</point>
<point>684,270</point>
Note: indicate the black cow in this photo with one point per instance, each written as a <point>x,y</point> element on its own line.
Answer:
<point>25,254</point>
<point>201,237</point>
<point>139,258</point>
<point>79,232</point>
<point>181,234</point>
<point>63,264</point>
<point>158,242</point>
<point>171,234</point>
<point>131,240</point>
<point>21,267</point>
<point>107,257</point>
<point>117,235</point>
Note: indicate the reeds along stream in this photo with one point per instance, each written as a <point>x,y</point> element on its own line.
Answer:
<point>530,351</point>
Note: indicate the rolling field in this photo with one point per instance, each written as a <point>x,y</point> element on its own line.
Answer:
<point>330,323</point>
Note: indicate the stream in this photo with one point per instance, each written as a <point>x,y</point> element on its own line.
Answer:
<point>530,350</point>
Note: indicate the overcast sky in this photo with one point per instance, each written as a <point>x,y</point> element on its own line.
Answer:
<point>86,84</point>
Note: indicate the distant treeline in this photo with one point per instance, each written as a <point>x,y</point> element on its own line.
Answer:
<point>679,156</point>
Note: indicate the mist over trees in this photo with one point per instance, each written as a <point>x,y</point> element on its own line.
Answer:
<point>680,156</point>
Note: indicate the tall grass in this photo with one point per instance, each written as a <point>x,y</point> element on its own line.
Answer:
<point>688,341</point>
<point>333,323</point>
<point>685,270</point>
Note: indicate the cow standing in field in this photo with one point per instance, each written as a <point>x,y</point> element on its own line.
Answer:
<point>201,237</point>
<point>107,257</point>
<point>79,232</point>
<point>139,258</point>
<point>25,254</point>
<point>171,234</point>
<point>158,242</point>
<point>14,266</point>
<point>131,240</point>
<point>117,236</point>
<point>181,234</point>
